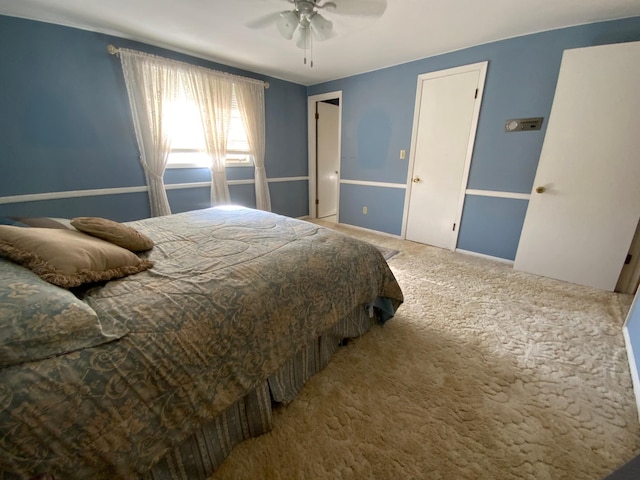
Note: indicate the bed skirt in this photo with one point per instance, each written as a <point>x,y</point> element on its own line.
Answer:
<point>197,457</point>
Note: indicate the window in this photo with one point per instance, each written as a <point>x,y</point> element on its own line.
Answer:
<point>188,148</point>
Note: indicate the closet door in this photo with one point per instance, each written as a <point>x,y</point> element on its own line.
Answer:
<point>585,203</point>
<point>444,129</point>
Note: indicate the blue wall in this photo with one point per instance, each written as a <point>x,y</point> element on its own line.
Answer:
<point>633,328</point>
<point>378,109</point>
<point>65,124</point>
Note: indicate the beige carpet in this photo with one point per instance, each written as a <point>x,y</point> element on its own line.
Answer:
<point>484,373</point>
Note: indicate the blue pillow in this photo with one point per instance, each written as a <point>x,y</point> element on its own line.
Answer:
<point>11,221</point>
<point>40,320</point>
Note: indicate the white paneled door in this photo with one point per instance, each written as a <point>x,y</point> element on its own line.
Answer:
<point>445,120</point>
<point>328,158</point>
<point>585,203</point>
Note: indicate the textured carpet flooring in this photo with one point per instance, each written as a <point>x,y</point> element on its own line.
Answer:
<point>484,373</point>
<point>387,253</point>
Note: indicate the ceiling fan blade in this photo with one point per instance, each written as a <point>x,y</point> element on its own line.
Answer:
<point>264,21</point>
<point>359,8</point>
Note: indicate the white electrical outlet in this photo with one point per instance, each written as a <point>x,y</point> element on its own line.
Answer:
<point>364,210</point>
<point>403,154</point>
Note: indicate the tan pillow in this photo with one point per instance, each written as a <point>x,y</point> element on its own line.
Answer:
<point>67,258</point>
<point>114,232</point>
<point>45,222</point>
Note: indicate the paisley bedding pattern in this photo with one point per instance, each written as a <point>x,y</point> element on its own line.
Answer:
<point>232,295</point>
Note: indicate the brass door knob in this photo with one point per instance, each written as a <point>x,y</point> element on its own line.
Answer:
<point>416,180</point>
<point>540,189</point>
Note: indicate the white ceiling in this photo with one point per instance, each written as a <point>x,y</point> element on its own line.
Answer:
<point>408,30</point>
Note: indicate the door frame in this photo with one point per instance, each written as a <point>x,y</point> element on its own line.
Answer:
<point>311,123</point>
<point>481,67</point>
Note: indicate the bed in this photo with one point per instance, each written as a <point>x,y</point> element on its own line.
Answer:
<point>160,373</point>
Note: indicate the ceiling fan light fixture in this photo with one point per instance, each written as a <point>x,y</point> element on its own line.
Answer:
<point>303,38</point>
<point>287,24</point>
<point>321,27</point>
<point>305,23</point>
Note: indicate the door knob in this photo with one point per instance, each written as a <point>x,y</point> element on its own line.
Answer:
<point>540,189</point>
<point>416,180</point>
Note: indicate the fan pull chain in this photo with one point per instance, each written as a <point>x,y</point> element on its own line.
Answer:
<point>305,48</point>
<point>310,37</point>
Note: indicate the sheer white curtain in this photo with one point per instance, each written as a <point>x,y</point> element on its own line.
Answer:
<point>151,84</point>
<point>250,98</point>
<point>214,95</point>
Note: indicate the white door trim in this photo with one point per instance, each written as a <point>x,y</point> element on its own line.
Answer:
<point>311,125</point>
<point>481,67</point>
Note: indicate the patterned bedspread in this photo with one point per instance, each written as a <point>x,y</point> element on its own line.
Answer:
<point>232,295</point>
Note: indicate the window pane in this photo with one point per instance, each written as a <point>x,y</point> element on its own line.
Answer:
<point>183,122</point>
<point>237,139</point>
<point>188,147</point>
<point>188,159</point>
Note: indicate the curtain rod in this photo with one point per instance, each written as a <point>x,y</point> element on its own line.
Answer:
<point>113,50</point>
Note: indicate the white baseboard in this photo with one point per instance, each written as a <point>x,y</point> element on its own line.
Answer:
<point>362,229</point>
<point>369,230</point>
<point>482,255</point>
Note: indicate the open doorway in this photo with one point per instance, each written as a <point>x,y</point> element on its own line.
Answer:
<point>325,118</point>
<point>630,275</point>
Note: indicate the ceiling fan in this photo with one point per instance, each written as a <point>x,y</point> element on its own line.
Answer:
<point>305,21</point>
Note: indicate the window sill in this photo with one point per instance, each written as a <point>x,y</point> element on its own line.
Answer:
<point>197,165</point>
